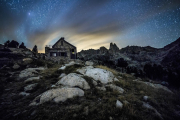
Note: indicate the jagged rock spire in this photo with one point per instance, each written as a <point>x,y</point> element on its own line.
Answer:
<point>113,48</point>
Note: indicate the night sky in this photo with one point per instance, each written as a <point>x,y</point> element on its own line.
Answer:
<point>90,23</point>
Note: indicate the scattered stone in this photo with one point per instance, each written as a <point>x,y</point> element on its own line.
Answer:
<point>147,106</point>
<point>66,65</point>
<point>119,77</point>
<point>84,69</point>
<point>30,72</point>
<point>62,75</point>
<point>27,61</point>
<point>101,88</point>
<point>57,95</point>
<point>117,88</point>
<point>110,118</point>
<point>53,86</point>
<point>145,98</point>
<point>86,110</point>
<point>33,113</point>
<point>16,114</point>
<point>119,104</point>
<point>73,80</point>
<point>74,115</point>
<point>16,66</point>
<point>30,87</point>
<point>32,79</point>
<point>115,79</point>
<point>62,68</point>
<point>102,75</point>
<point>133,74</point>
<point>79,62</point>
<point>24,94</point>
<point>125,102</point>
<point>157,86</point>
<point>95,83</point>
<point>164,83</point>
<point>88,63</point>
<point>70,63</point>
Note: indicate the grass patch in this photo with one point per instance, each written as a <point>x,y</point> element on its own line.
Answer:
<point>101,104</point>
<point>109,69</point>
<point>72,68</point>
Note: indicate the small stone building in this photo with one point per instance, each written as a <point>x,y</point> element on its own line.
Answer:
<point>1,46</point>
<point>61,50</point>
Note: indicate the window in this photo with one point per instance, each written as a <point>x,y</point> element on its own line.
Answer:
<point>54,55</point>
<point>72,51</point>
<point>63,54</point>
<point>62,43</point>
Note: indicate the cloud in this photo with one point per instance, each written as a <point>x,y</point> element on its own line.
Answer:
<point>84,23</point>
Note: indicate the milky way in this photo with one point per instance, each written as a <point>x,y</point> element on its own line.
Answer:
<point>90,23</point>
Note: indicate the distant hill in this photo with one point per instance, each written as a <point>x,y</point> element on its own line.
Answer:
<point>140,58</point>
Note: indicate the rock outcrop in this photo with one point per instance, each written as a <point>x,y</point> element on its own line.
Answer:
<point>103,50</point>
<point>113,48</point>
<point>30,87</point>
<point>147,106</point>
<point>116,88</point>
<point>32,79</point>
<point>30,72</point>
<point>157,86</point>
<point>57,95</point>
<point>102,75</point>
<point>73,80</point>
<point>119,104</point>
<point>89,63</point>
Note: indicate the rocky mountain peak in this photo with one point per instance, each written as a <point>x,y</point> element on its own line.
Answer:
<point>113,48</point>
<point>103,50</point>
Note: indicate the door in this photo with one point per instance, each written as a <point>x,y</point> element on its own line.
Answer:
<point>73,56</point>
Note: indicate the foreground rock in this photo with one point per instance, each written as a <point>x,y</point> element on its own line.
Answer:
<point>101,88</point>
<point>88,63</point>
<point>32,79</point>
<point>30,72</point>
<point>57,95</point>
<point>16,66</point>
<point>157,86</point>
<point>119,104</point>
<point>72,80</point>
<point>27,61</point>
<point>117,88</point>
<point>102,75</point>
<point>145,98</point>
<point>62,75</point>
<point>30,87</point>
<point>66,65</point>
<point>147,106</point>
<point>24,94</point>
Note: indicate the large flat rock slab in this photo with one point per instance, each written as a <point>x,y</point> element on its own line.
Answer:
<point>157,86</point>
<point>72,80</point>
<point>30,72</point>
<point>102,75</point>
<point>57,95</point>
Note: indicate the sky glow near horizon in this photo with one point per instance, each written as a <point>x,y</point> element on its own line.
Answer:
<point>90,23</point>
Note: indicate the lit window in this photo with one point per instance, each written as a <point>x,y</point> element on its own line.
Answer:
<point>54,54</point>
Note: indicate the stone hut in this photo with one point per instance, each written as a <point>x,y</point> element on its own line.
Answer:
<point>61,50</point>
<point>1,46</point>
